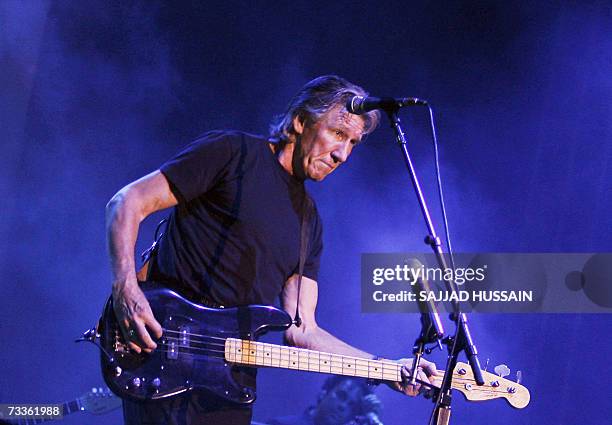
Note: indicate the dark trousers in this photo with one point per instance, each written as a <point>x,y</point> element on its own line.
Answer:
<point>191,409</point>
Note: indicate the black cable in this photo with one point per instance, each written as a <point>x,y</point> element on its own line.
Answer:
<point>448,244</point>
<point>440,191</point>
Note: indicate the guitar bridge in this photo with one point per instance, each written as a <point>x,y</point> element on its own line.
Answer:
<point>119,346</point>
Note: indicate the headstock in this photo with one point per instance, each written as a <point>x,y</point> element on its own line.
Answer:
<point>494,387</point>
<point>99,401</point>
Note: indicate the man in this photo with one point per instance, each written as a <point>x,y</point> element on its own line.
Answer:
<point>342,401</point>
<point>233,237</point>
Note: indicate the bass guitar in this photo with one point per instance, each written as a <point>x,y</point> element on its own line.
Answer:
<point>205,348</point>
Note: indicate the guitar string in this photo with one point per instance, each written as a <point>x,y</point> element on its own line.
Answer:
<point>261,344</point>
<point>248,353</point>
<point>199,335</point>
<point>280,349</point>
<point>389,363</point>
<point>273,359</point>
<point>215,344</point>
<point>288,367</point>
<point>213,352</point>
<point>457,380</point>
<point>274,356</point>
<point>193,334</point>
<point>257,351</point>
<point>257,344</point>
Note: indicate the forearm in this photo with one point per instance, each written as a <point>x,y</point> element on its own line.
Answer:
<point>122,223</point>
<point>316,338</point>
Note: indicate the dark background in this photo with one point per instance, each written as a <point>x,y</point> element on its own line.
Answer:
<point>96,94</point>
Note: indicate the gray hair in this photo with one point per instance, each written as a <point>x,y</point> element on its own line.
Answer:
<point>316,98</point>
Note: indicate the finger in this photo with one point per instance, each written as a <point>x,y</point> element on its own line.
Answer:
<point>415,390</point>
<point>423,377</point>
<point>405,372</point>
<point>128,335</point>
<point>412,390</point>
<point>154,326</point>
<point>430,368</point>
<point>134,347</point>
<point>146,342</point>
<point>408,389</point>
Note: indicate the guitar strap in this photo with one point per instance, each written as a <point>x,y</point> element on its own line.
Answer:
<point>304,242</point>
<point>147,255</point>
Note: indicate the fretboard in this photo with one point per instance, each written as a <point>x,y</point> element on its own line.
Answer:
<point>254,353</point>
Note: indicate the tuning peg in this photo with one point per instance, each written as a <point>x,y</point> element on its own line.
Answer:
<point>486,365</point>
<point>519,376</point>
<point>502,370</point>
<point>94,390</point>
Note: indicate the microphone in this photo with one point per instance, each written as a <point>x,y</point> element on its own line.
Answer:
<point>360,105</point>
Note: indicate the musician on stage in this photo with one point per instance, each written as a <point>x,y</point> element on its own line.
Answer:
<point>233,236</point>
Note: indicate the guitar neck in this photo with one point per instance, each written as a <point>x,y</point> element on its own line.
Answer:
<point>253,353</point>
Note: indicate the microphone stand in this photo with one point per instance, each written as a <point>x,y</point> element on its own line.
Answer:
<point>462,340</point>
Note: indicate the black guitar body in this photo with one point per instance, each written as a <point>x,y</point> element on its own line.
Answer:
<point>190,354</point>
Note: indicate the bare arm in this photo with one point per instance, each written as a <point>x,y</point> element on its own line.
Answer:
<point>124,213</point>
<point>310,335</point>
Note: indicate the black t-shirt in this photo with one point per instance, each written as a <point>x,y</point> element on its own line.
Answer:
<point>234,237</point>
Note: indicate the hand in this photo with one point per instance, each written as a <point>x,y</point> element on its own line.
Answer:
<point>134,316</point>
<point>425,372</point>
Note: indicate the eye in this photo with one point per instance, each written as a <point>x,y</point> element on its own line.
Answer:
<point>339,134</point>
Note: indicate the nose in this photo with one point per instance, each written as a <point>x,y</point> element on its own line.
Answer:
<point>341,153</point>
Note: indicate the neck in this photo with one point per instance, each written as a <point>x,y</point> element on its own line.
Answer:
<point>286,155</point>
<point>255,353</point>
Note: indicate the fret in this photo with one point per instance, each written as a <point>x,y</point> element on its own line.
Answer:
<point>303,359</point>
<point>325,362</point>
<point>313,361</point>
<point>257,351</point>
<point>266,354</point>
<point>294,358</point>
<point>284,357</point>
<point>375,370</point>
<point>348,366</point>
<point>249,348</point>
<point>275,360</point>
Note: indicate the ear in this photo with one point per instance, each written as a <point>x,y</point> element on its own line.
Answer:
<point>298,124</point>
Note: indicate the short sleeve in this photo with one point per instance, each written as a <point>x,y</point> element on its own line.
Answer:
<point>315,248</point>
<point>200,165</point>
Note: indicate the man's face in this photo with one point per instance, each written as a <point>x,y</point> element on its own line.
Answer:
<point>339,405</point>
<point>327,143</point>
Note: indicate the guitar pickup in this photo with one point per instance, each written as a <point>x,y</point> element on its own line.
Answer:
<point>182,340</point>
<point>184,337</point>
<point>172,352</point>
